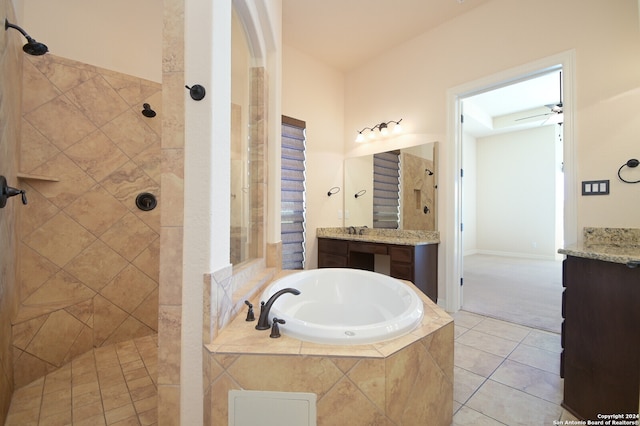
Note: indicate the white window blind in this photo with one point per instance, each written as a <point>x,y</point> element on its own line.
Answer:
<point>293,193</point>
<point>386,190</point>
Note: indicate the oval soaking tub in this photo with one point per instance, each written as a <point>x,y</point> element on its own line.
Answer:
<point>342,306</point>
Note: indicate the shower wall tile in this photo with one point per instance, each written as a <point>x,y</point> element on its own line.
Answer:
<point>10,95</point>
<point>171,266</point>
<point>89,265</point>
<point>97,265</point>
<point>55,337</point>
<point>129,236</point>
<point>130,133</point>
<point>40,270</point>
<point>173,110</point>
<point>97,100</point>
<point>83,210</point>
<point>169,339</point>
<point>73,181</point>
<point>97,155</point>
<point>60,239</point>
<point>38,211</point>
<point>133,90</point>
<point>36,90</point>
<point>172,187</point>
<point>61,121</point>
<point>172,209</point>
<point>65,74</point>
<point>35,148</point>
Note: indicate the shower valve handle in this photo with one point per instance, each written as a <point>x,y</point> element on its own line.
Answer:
<point>6,191</point>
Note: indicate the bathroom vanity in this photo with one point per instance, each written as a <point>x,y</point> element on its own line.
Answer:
<point>413,255</point>
<point>600,362</point>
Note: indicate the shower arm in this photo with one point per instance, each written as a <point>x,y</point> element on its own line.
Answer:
<point>8,25</point>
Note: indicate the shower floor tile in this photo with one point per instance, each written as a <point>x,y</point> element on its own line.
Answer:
<point>107,386</point>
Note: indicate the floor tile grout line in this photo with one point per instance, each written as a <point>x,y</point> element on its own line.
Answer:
<point>489,377</point>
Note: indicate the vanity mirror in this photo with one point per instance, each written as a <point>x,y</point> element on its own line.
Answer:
<point>417,193</point>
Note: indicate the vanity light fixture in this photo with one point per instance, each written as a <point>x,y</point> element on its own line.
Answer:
<point>383,128</point>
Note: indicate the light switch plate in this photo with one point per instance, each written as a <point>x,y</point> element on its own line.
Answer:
<point>595,187</point>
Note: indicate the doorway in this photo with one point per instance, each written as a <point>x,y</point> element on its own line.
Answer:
<point>454,206</point>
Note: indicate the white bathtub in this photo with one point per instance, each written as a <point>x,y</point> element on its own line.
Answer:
<point>345,306</point>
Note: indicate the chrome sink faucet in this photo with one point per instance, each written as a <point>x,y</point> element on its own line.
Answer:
<point>265,308</point>
<point>352,230</point>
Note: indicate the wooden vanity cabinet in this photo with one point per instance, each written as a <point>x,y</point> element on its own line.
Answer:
<point>600,361</point>
<point>418,264</point>
<point>332,253</point>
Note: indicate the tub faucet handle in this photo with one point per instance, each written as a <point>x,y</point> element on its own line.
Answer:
<point>250,315</point>
<point>275,329</point>
<point>265,308</point>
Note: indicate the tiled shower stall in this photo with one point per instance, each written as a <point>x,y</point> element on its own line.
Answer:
<point>88,256</point>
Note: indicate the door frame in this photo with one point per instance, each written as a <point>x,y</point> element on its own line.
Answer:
<point>453,204</point>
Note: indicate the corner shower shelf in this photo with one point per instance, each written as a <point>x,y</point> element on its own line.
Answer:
<point>37,177</point>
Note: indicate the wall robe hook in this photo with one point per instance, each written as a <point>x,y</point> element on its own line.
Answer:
<point>6,191</point>
<point>360,193</point>
<point>197,92</point>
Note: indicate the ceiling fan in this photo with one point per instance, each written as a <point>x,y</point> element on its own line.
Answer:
<point>556,109</point>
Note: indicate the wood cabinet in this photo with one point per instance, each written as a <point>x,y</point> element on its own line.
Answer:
<point>600,361</point>
<point>415,263</point>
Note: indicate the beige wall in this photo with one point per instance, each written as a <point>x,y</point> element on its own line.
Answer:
<point>314,92</point>
<point>118,35</point>
<point>412,81</point>
<point>88,255</point>
<point>10,90</point>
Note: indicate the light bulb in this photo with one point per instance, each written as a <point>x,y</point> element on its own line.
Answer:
<point>360,137</point>
<point>397,128</point>
<point>372,134</point>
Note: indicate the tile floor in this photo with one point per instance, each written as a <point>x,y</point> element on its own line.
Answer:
<point>505,373</point>
<point>112,385</point>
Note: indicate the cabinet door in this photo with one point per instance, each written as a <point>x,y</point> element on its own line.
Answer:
<point>403,271</point>
<point>401,254</point>
<point>601,337</point>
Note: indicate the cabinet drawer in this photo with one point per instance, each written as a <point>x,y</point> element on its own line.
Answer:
<point>332,246</point>
<point>402,271</point>
<point>401,254</point>
<point>328,260</point>
<point>368,248</point>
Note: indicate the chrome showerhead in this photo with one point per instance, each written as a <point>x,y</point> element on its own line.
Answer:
<point>32,47</point>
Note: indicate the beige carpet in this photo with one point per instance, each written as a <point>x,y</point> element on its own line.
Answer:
<point>522,291</point>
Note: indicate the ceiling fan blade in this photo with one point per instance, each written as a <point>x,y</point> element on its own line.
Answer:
<point>534,116</point>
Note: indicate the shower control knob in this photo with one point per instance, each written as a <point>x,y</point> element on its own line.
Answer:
<point>6,191</point>
<point>197,92</point>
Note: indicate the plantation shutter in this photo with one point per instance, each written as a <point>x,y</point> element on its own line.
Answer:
<point>292,193</point>
<point>386,190</point>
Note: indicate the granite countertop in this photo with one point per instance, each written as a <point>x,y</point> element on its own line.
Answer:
<point>617,245</point>
<point>386,236</point>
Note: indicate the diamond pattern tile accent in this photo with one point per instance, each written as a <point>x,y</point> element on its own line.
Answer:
<point>97,155</point>
<point>97,100</point>
<point>89,258</point>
